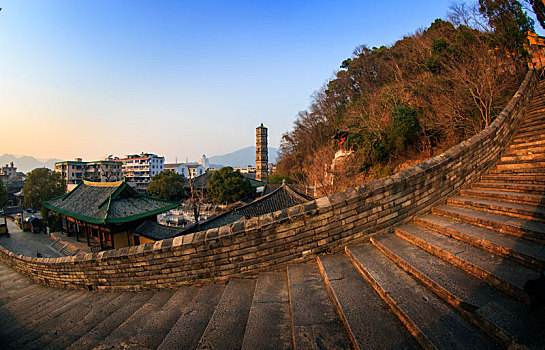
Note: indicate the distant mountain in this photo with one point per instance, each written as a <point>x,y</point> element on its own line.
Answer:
<point>27,163</point>
<point>243,157</point>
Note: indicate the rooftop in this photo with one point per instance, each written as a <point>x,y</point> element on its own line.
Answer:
<point>107,202</point>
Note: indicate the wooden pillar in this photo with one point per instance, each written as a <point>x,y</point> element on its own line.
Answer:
<point>100,239</point>
<point>87,235</point>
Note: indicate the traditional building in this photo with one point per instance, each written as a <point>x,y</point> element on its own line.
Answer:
<point>275,197</point>
<point>138,169</point>
<point>75,171</point>
<point>106,214</point>
<point>261,153</point>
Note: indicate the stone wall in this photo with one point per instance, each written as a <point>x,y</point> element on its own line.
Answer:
<point>294,234</point>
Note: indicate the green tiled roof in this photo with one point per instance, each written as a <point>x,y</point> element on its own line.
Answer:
<point>107,202</point>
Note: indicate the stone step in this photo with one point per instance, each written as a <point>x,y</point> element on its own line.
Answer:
<point>226,327</point>
<point>58,324</point>
<point>530,117</point>
<point>514,178</point>
<point>525,151</point>
<point>522,143</point>
<point>523,211</point>
<point>528,138</point>
<point>532,230</point>
<point>522,158</point>
<point>520,164</point>
<point>39,322</point>
<point>520,171</point>
<point>67,324</point>
<point>156,329</point>
<point>187,331</point>
<point>94,336</point>
<point>123,335</point>
<point>31,311</point>
<point>532,124</point>
<point>98,314</point>
<point>505,196</point>
<point>512,187</point>
<point>269,321</point>
<point>434,324</point>
<point>33,297</point>
<point>512,323</point>
<point>368,319</point>
<point>316,324</point>
<point>524,252</point>
<point>15,291</point>
<point>503,274</point>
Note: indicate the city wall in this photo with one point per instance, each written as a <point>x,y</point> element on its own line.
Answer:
<point>295,234</point>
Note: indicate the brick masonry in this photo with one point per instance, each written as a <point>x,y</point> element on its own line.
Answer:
<point>294,234</point>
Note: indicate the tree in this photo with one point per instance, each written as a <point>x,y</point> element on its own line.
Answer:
<point>227,185</point>
<point>510,25</point>
<point>539,9</point>
<point>168,185</point>
<point>3,194</point>
<point>41,185</point>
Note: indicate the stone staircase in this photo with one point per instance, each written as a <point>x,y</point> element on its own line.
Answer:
<point>454,278</point>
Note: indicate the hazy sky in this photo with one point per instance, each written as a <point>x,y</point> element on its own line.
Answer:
<point>176,78</point>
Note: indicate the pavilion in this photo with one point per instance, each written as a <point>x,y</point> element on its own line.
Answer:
<point>106,213</point>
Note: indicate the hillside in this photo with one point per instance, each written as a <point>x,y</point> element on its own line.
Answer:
<point>389,108</point>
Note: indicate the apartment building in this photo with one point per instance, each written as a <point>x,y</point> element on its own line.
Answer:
<point>75,171</point>
<point>138,169</point>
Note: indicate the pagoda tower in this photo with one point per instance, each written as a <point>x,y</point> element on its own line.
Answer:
<point>261,153</point>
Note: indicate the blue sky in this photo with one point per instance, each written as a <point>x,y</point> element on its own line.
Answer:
<point>176,78</point>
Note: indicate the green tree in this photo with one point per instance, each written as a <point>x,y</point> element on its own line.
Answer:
<point>3,195</point>
<point>227,185</point>
<point>41,185</point>
<point>510,24</point>
<point>277,179</point>
<point>168,185</point>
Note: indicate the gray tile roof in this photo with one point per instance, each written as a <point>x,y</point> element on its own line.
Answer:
<point>153,230</point>
<point>103,202</point>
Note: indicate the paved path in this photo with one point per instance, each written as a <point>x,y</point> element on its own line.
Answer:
<point>28,243</point>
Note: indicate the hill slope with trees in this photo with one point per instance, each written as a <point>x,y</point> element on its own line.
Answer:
<point>389,108</point>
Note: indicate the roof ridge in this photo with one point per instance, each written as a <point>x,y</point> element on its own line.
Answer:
<point>297,194</point>
<point>257,200</point>
<point>103,184</point>
<point>108,208</point>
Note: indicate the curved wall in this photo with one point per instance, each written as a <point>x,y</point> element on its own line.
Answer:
<point>293,234</point>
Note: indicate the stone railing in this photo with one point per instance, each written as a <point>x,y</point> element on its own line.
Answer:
<point>298,233</point>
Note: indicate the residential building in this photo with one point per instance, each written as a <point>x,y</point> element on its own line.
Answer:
<point>189,170</point>
<point>75,171</point>
<point>8,170</point>
<point>138,169</point>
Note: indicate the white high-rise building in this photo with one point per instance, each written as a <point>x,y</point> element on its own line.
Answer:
<point>204,162</point>
<point>138,169</point>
